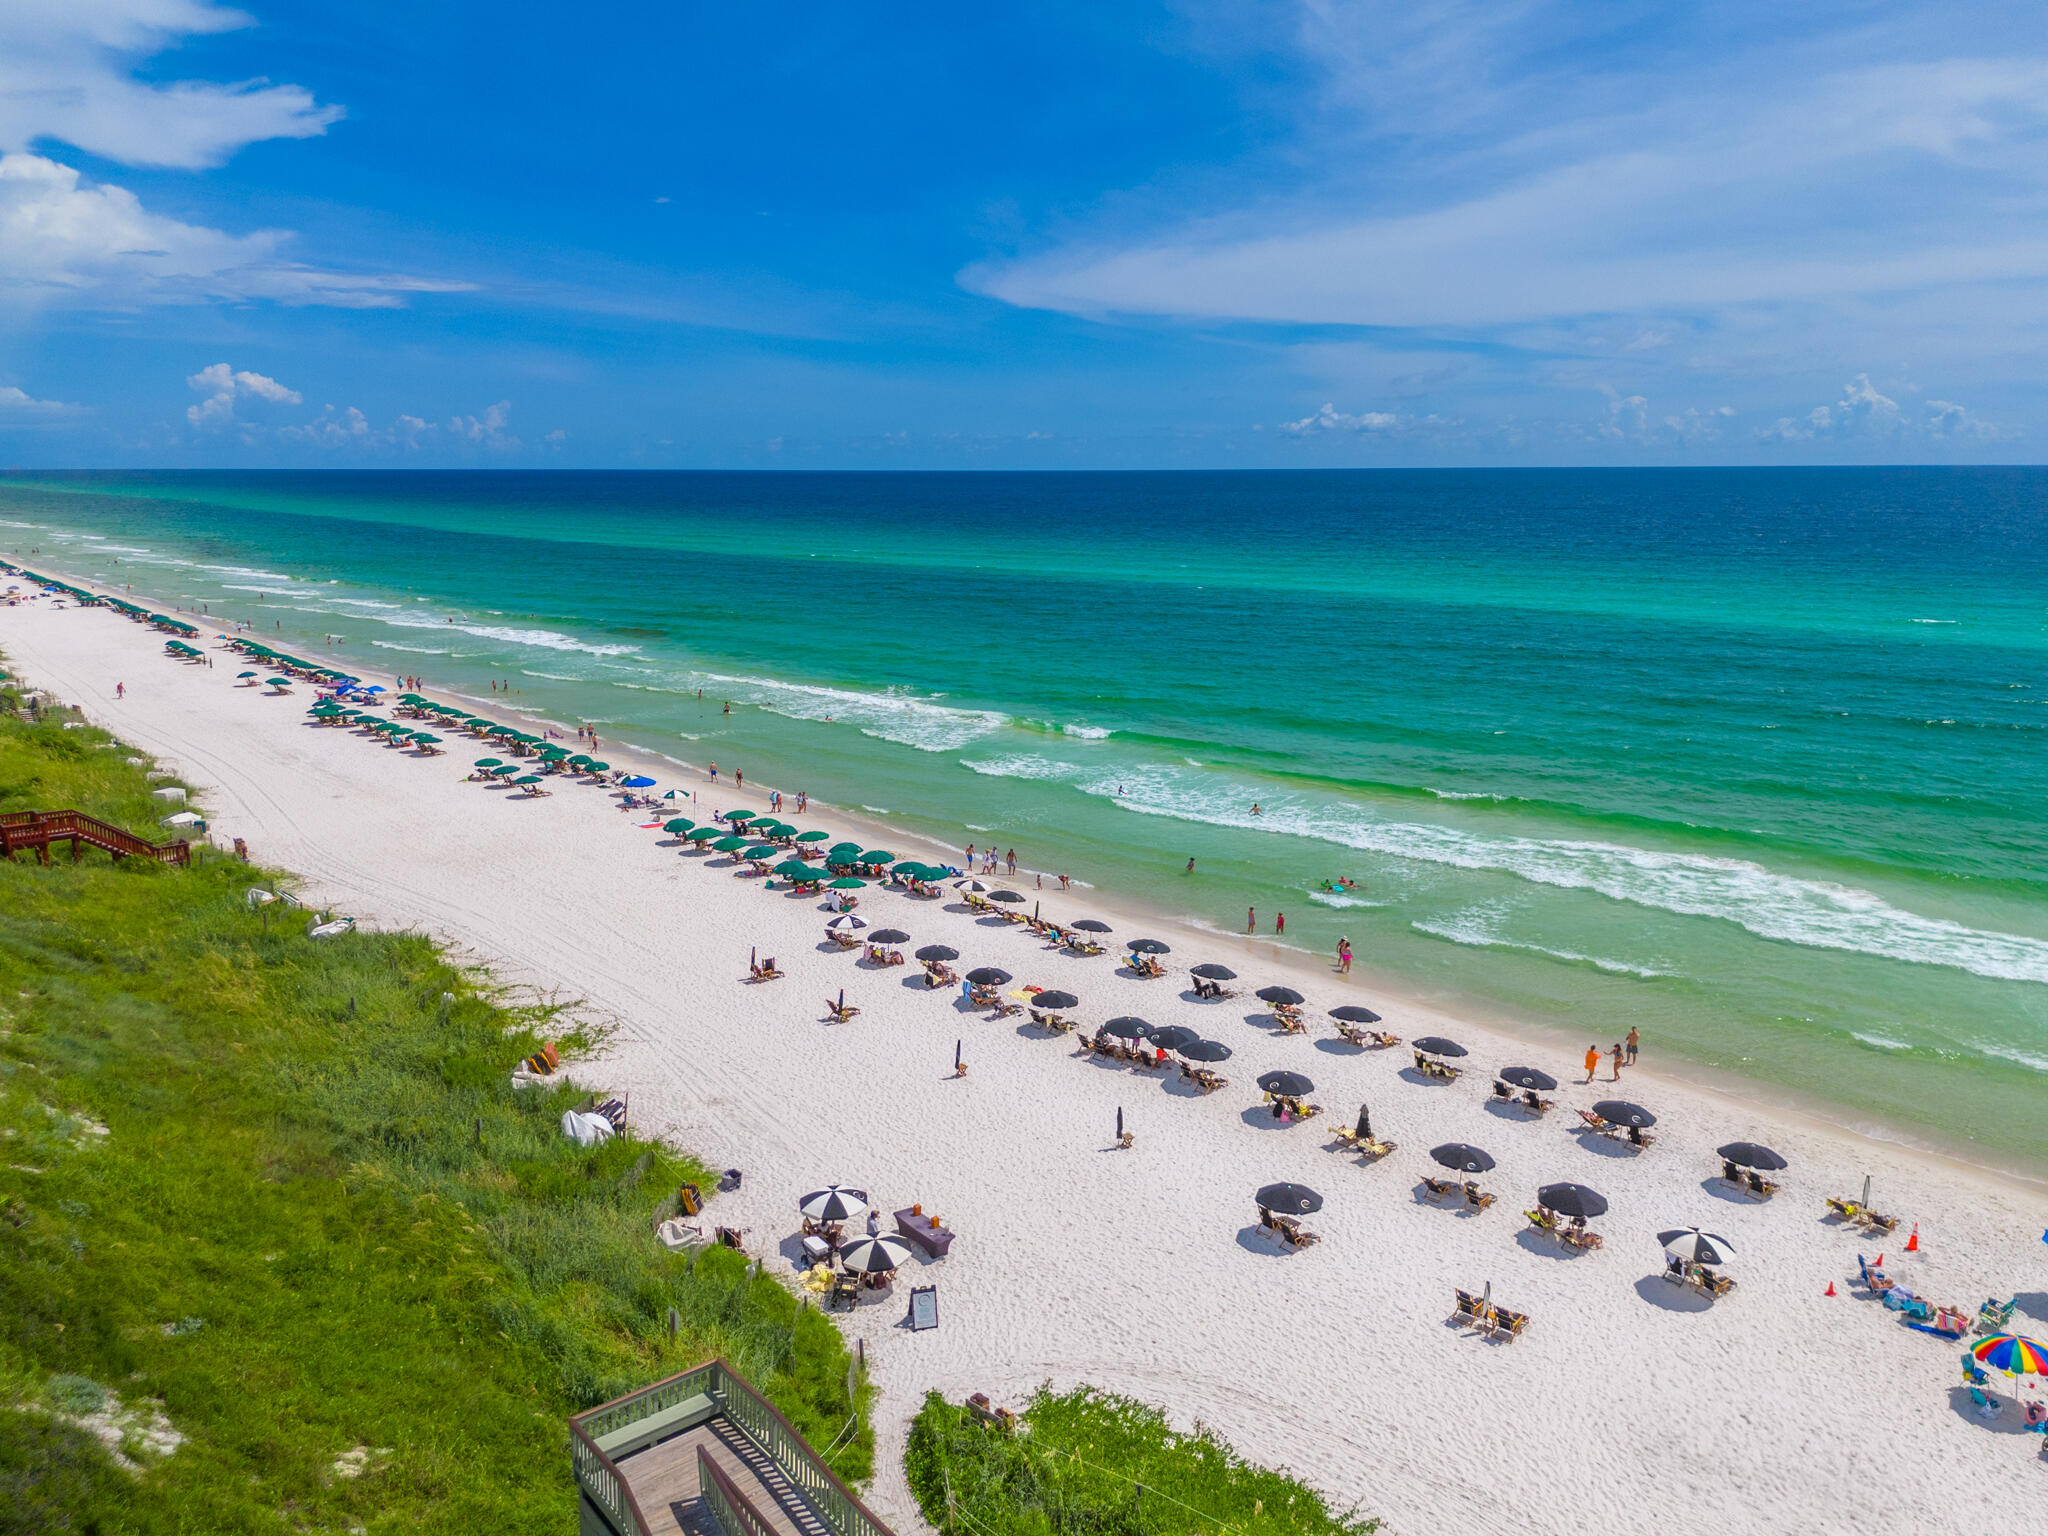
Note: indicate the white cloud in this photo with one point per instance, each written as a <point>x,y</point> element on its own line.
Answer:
<point>487,430</point>
<point>64,242</point>
<point>1330,419</point>
<point>1865,412</point>
<point>67,72</point>
<point>16,402</point>
<point>222,385</point>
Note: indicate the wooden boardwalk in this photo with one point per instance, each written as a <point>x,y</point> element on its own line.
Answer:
<point>664,1482</point>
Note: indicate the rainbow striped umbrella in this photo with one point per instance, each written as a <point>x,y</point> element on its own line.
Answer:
<point>2012,1354</point>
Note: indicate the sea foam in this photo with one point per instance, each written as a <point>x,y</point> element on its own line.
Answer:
<point>908,719</point>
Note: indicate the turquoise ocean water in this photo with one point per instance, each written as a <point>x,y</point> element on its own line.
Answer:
<point>1756,761</point>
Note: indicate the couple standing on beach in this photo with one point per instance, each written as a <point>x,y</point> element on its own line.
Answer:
<point>1623,1054</point>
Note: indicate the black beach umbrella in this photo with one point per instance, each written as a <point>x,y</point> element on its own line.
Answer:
<point>1572,1200</point>
<point>1621,1112</point>
<point>1055,1000</point>
<point>1437,1045</point>
<point>1288,1085</point>
<point>1173,1037</point>
<point>988,976</point>
<point>1750,1155</point>
<point>1148,947</point>
<point>1213,972</point>
<point>1455,1154</point>
<point>1700,1247</point>
<point>956,1055</point>
<point>1091,925</point>
<point>938,952</point>
<point>888,936</point>
<point>1004,896</point>
<point>1205,1050</point>
<point>874,1255</point>
<point>1286,996</point>
<point>1289,1199</point>
<point>1128,1028</point>
<point>1351,1013</point>
<point>1528,1077</point>
<point>1364,1128</point>
<point>835,1202</point>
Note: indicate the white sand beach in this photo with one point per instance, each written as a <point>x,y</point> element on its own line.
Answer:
<point>1630,1403</point>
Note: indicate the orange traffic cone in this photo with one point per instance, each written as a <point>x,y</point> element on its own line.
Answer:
<point>1913,1242</point>
<point>1831,1288</point>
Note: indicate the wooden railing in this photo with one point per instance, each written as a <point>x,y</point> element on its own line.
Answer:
<point>38,829</point>
<point>735,1514</point>
<point>748,1411</point>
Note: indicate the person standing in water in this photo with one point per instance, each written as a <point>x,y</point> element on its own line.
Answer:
<point>1279,925</point>
<point>1634,1040</point>
<point>1344,957</point>
<point>1251,919</point>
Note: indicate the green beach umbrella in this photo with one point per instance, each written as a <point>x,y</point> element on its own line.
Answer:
<point>730,844</point>
<point>795,869</point>
<point>578,760</point>
<point>762,850</point>
<point>531,778</point>
<point>701,835</point>
<point>279,682</point>
<point>678,825</point>
<point>877,856</point>
<point>598,767</point>
<point>847,883</point>
<point>487,762</point>
<point>425,740</point>
<point>812,837</point>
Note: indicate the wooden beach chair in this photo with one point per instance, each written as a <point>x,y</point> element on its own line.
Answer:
<point>841,1012</point>
<point>1504,1324</point>
<point>1468,1309</point>
<point>1476,1199</point>
<point>1443,1189</point>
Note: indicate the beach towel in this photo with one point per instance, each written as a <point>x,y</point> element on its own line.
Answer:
<point>586,1130</point>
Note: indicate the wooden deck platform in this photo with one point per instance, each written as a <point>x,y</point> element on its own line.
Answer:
<point>664,1481</point>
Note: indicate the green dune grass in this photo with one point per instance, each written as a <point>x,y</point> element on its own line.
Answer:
<point>280,1247</point>
<point>1090,1463</point>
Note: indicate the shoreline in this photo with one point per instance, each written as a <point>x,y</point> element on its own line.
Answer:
<point>1142,1271</point>
<point>1453,1010</point>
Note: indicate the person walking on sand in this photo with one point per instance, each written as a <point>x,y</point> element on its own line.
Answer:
<point>1616,1054</point>
<point>1592,1061</point>
<point>120,690</point>
<point>1634,1040</point>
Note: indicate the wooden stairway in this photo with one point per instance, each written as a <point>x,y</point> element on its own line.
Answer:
<point>38,829</point>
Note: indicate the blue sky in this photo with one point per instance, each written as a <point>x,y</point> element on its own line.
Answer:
<point>1246,233</point>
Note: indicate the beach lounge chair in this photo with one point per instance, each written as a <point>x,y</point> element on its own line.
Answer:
<point>1376,1149</point>
<point>1847,1210</point>
<point>1872,1222</point>
<point>1582,1238</point>
<point>1873,1279</point>
<point>939,974</point>
<point>1502,1092</point>
<point>1542,1220</point>
<point>1593,1122</point>
<point>1203,1078</point>
<point>843,939</point>
<point>1504,1324</point>
<point>1379,1039</point>
<point>1443,1189</point>
<point>1000,1419</point>
<point>845,1291</point>
<point>1996,1316</point>
<point>1476,1199</point>
<point>1973,1374</point>
<point>841,1012</point>
<point>1147,967</point>
<point>1468,1309</point>
<point>729,1237</point>
<point>1538,1105</point>
<point>1986,1405</point>
<point>764,970</point>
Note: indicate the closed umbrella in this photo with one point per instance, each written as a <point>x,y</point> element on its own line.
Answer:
<point>1621,1112</point>
<point>1212,972</point>
<point>1129,1028</point>
<point>988,976</point>
<point>874,1255</point>
<point>835,1202</point>
<point>1173,1037</point>
<point>1751,1155</point>
<point>1289,1199</point>
<point>1364,1129</point>
<point>938,952</point>
<point>1286,1085</point>
<point>1436,1045</point>
<point>1528,1077</point>
<point>1697,1246</point>
<point>1285,997</point>
<point>1572,1200</point>
<point>1205,1050</point>
<point>1463,1158</point>
<point>1351,1013</point>
<point>1148,947</point>
<point>1055,1000</point>
<point>890,936</point>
